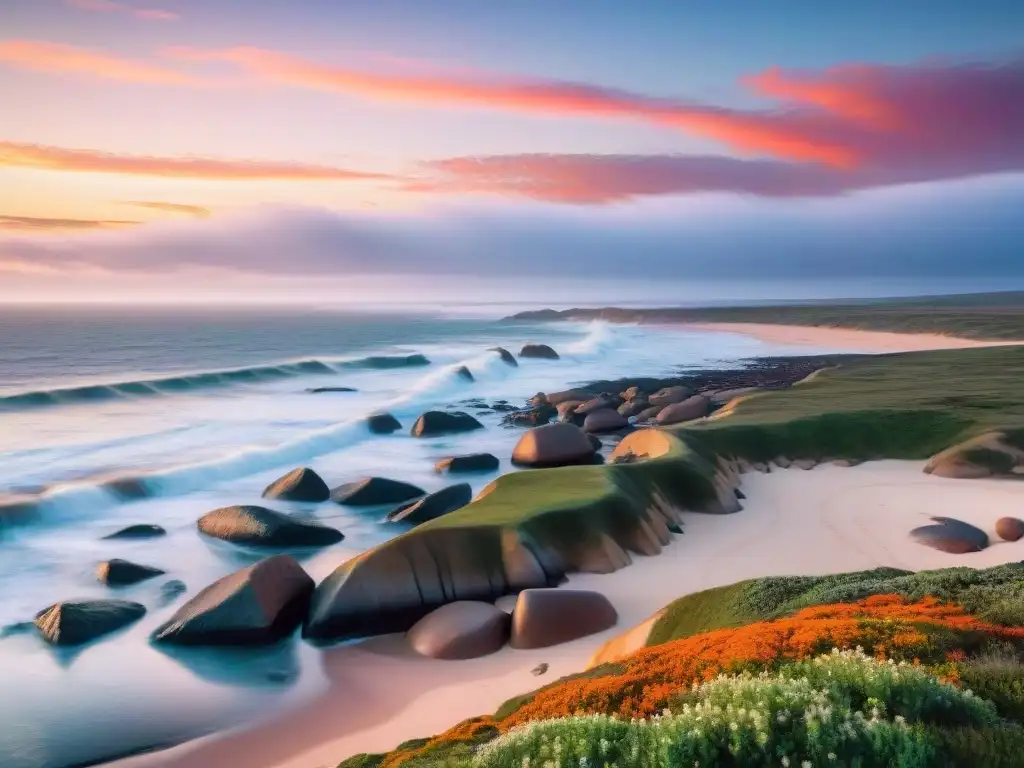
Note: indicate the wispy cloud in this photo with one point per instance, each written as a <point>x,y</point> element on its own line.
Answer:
<point>43,224</point>
<point>58,58</point>
<point>197,211</point>
<point>109,6</point>
<point>15,154</point>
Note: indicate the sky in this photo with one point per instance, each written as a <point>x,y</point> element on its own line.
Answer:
<point>194,148</point>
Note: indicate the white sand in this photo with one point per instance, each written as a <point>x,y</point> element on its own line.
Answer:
<point>825,520</point>
<point>845,338</point>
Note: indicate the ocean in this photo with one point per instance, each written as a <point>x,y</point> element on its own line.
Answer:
<point>206,407</point>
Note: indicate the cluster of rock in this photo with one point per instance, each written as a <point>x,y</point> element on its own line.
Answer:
<point>956,537</point>
<point>541,618</point>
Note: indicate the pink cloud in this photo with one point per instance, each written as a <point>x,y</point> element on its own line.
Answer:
<point>109,6</point>
<point>41,56</point>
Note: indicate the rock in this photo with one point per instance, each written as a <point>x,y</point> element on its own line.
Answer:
<point>465,629</point>
<point>542,351</point>
<point>74,622</point>
<point>952,536</point>
<point>539,670</point>
<point>319,390</point>
<point>631,394</point>
<point>649,414</point>
<point>782,462</point>
<point>254,606</point>
<point>605,420</point>
<point>1010,528</point>
<point>373,491</point>
<point>532,417</point>
<point>301,484</point>
<point>554,445</point>
<point>261,527</point>
<point>503,407</point>
<point>170,590</point>
<point>805,463</point>
<point>433,506</point>
<point>692,408</point>
<point>505,355</point>
<point>579,395</point>
<point>740,494</point>
<point>760,466</point>
<point>538,399</point>
<point>634,407</point>
<point>471,462</point>
<point>669,396</point>
<point>567,413</point>
<point>598,445</point>
<point>845,462</point>
<point>599,403</point>
<point>383,423</point>
<point>546,617</point>
<point>434,423</point>
<point>122,573</point>
<point>464,373</point>
<point>141,531</point>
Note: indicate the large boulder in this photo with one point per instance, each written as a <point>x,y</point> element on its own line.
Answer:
<point>433,506</point>
<point>546,617</point>
<point>434,423</point>
<point>531,417</point>
<point>373,491</point>
<point>670,395</point>
<point>506,356</point>
<point>542,351</point>
<point>465,629</point>
<point>124,573</point>
<point>649,414</point>
<point>383,423</point>
<point>692,408</point>
<point>604,420</point>
<point>73,622</point>
<point>254,606</point>
<point>1010,528</point>
<point>261,527</point>
<point>950,535</point>
<point>471,462</point>
<point>301,484</point>
<point>553,445</point>
<point>140,531</point>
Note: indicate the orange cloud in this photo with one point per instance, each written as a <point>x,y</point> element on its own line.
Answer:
<point>39,224</point>
<point>18,155</point>
<point>40,56</point>
<point>189,210</point>
<point>108,6</point>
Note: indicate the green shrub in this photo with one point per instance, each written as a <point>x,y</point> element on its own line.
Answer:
<point>997,676</point>
<point>995,747</point>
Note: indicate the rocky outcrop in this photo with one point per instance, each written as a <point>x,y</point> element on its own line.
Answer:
<point>301,484</point>
<point>506,356</point>
<point>692,408</point>
<point>604,420</point>
<point>433,423</point>
<point>74,622</point>
<point>1010,528</point>
<point>140,531</point>
<point>988,455</point>
<point>669,395</point>
<point>553,445</point>
<point>542,351</point>
<point>374,491</point>
<point>383,423</point>
<point>471,462</point>
<point>531,417</point>
<point>465,629</point>
<point>261,527</point>
<point>433,506</point>
<point>254,606</point>
<point>950,535</point>
<point>124,573</point>
<point>546,617</point>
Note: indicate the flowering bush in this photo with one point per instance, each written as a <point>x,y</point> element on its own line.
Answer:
<point>806,714</point>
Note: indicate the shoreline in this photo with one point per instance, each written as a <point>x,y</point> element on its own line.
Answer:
<point>829,519</point>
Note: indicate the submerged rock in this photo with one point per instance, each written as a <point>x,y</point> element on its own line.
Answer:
<point>532,417</point>
<point>472,462</point>
<point>301,484</point>
<point>373,491</point>
<point>254,606</point>
<point>320,390</point>
<point>542,351</point>
<point>546,617</point>
<point>141,531</point>
<point>464,373</point>
<point>383,424</point>
<point>170,591</point>
<point>433,506</point>
<point>465,629</point>
<point>434,423</point>
<point>506,356</point>
<point>262,527</point>
<point>73,622</point>
<point>553,445</point>
<point>123,573</point>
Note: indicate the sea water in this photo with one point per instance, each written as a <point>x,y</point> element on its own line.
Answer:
<point>206,408</point>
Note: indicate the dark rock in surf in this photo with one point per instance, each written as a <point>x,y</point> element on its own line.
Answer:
<point>169,591</point>
<point>505,355</point>
<point>532,417</point>
<point>301,484</point>
<point>257,605</point>
<point>503,407</point>
<point>123,573</point>
<point>541,351</point>
<point>320,390</point>
<point>74,622</point>
<point>262,527</point>
<point>141,531</point>
<point>464,373</point>
<point>373,491</point>
<point>433,506</point>
<point>473,462</point>
<point>383,424</point>
<point>433,423</point>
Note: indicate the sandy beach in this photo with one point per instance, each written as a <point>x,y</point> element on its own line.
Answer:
<point>825,520</point>
<point>846,338</point>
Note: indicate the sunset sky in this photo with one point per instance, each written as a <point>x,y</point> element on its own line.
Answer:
<point>145,139</point>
